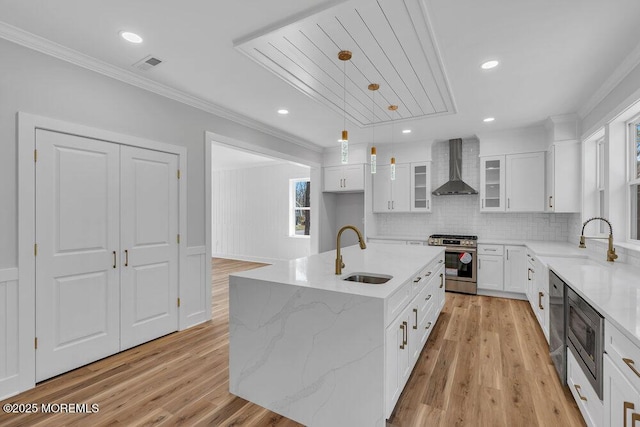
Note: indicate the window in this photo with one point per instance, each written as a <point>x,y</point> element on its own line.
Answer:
<point>600,174</point>
<point>634,179</point>
<point>300,207</point>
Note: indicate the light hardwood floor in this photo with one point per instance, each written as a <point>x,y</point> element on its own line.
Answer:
<point>485,364</point>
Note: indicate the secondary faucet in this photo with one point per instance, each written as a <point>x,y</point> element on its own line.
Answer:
<point>611,251</point>
<point>339,263</point>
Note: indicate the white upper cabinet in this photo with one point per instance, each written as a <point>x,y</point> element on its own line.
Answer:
<point>492,183</point>
<point>392,196</point>
<point>348,178</point>
<point>563,177</point>
<point>512,183</point>
<point>525,182</point>
<point>421,187</point>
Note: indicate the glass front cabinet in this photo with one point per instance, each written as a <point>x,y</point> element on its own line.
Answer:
<point>421,187</point>
<point>492,183</point>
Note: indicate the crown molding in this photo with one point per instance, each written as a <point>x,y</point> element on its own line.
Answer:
<point>630,62</point>
<point>48,47</point>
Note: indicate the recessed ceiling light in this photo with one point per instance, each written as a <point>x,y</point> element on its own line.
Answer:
<point>283,111</point>
<point>489,65</point>
<point>488,119</point>
<point>131,37</point>
<point>406,131</point>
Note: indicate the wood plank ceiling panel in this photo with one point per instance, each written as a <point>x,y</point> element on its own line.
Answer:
<point>392,44</point>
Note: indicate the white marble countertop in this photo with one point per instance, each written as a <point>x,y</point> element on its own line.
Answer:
<point>318,271</point>
<point>613,289</point>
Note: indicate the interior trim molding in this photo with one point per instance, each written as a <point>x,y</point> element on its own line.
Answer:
<point>48,47</point>
<point>196,250</point>
<point>8,274</point>
<point>628,64</point>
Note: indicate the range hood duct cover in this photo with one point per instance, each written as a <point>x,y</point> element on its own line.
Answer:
<point>455,185</point>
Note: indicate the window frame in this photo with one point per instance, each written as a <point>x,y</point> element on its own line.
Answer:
<point>633,179</point>
<point>293,208</point>
<point>601,173</point>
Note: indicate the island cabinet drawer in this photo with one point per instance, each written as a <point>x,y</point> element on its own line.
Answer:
<point>427,295</point>
<point>590,405</point>
<point>484,249</point>
<point>398,301</point>
<point>624,353</point>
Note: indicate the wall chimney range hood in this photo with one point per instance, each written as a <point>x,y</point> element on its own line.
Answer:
<point>455,185</point>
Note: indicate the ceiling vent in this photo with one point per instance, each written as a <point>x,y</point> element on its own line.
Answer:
<point>148,63</point>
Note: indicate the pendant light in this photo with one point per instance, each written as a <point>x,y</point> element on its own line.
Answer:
<point>344,56</point>
<point>392,108</point>
<point>373,87</point>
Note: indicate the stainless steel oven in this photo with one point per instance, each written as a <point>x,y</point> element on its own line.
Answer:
<point>585,338</point>
<point>460,262</point>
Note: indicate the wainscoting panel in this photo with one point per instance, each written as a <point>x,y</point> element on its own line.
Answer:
<point>9,350</point>
<point>195,294</point>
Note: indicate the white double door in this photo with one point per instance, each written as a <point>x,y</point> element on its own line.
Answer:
<point>107,251</point>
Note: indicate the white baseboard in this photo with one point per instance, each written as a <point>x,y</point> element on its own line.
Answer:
<point>502,294</point>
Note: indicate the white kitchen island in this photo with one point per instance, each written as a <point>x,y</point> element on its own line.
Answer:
<point>323,351</point>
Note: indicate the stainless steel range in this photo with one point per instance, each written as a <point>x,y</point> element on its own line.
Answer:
<point>460,261</point>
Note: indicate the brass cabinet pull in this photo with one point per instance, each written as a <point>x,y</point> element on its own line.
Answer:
<point>405,334</point>
<point>427,298</point>
<point>114,259</point>
<point>540,295</point>
<point>635,417</point>
<point>441,280</point>
<point>402,328</point>
<point>579,394</point>
<point>415,311</point>
<point>428,274</point>
<point>388,205</point>
<point>417,279</point>
<point>528,274</point>
<point>440,261</point>
<point>550,204</point>
<point>126,258</point>
<point>345,183</point>
<point>428,325</point>
<point>630,363</point>
<point>625,406</point>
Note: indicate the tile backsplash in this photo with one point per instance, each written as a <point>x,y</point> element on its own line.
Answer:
<point>461,214</point>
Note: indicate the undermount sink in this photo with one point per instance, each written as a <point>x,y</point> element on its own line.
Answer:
<point>371,279</point>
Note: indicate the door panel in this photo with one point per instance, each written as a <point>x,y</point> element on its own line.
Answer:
<point>77,223</point>
<point>149,287</point>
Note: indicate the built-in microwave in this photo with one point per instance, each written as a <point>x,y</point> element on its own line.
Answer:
<point>585,338</point>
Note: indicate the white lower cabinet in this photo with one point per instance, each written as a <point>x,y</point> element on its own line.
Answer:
<point>502,268</point>
<point>537,289</point>
<point>590,405</point>
<point>622,399</point>
<point>622,379</point>
<point>407,334</point>
<point>515,264</point>
<point>491,272</point>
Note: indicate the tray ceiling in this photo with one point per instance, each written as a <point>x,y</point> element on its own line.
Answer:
<point>392,45</point>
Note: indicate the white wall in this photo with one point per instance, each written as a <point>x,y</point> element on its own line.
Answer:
<point>250,213</point>
<point>37,83</point>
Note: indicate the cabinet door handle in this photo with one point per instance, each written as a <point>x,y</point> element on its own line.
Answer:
<point>403,340</point>
<point>428,274</point>
<point>114,259</point>
<point>388,205</point>
<point>630,363</point>
<point>126,258</point>
<point>550,202</point>
<point>415,325</point>
<point>441,280</point>
<point>628,405</point>
<point>528,274</point>
<point>417,279</point>
<point>577,387</point>
<point>428,325</point>
<point>489,250</point>
<point>479,264</point>
<point>507,254</point>
<point>427,298</point>
<point>428,204</point>
<point>508,203</point>
<point>540,295</point>
<point>392,207</point>
<point>345,183</point>
<point>482,203</point>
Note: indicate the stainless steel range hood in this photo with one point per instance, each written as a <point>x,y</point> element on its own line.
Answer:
<point>455,185</point>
